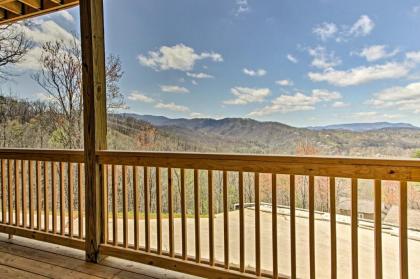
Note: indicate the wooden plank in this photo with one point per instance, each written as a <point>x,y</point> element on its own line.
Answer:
<point>3,191</point>
<point>70,183</point>
<point>136,197</point>
<point>125,206</point>
<point>24,180</point>
<point>58,155</point>
<point>171,214</point>
<point>11,272</point>
<point>333,228</point>
<point>62,200</point>
<point>146,208</point>
<point>36,4</point>
<point>81,198</point>
<point>197,216</point>
<point>54,196</point>
<point>312,267</point>
<point>293,226</point>
<point>211,217</point>
<point>104,204</point>
<point>9,190</point>
<point>17,193</point>
<point>38,194</point>
<point>257,225</point>
<point>274,224</point>
<point>378,229</point>
<point>95,118</point>
<point>114,205</point>
<point>317,166</point>
<point>183,216</point>
<point>226,220</point>
<point>180,265</point>
<point>43,236</point>
<point>159,211</point>
<point>14,7</point>
<point>241,223</point>
<point>403,231</point>
<point>354,229</point>
<point>31,195</point>
<point>46,194</point>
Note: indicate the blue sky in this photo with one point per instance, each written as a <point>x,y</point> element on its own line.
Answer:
<point>298,62</point>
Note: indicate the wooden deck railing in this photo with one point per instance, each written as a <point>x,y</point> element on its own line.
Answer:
<point>42,195</point>
<point>160,208</point>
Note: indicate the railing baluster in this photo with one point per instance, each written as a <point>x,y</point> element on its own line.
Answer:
<point>226,219</point>
<point>197,215</point>
<point>38,194</point>
<point>274,224</point>
<point>241,223</point>
<point>211,217</point>
<point>171,214</point>
<point>114,205</point>
<point>70,183</point>
<point>183,216</point>
<point>333,229</point>
<point>62,182</point>
<point>17,193</point>
<point>3,191</point>
<point>146,208</point>
<point>104,204</point>
<point>354,229</point>
<point>292,226</point>
<point>378,229</point>
<point>312,226</point>
<point>31,195</point>
<point>9,184</point>
<point>23,178</point>
<point>403,231</point>
<point>125,206</point>
<point>54,196</point>
<point>159,210</point>
<point>46,208</point>
<point>81,198</point>
<point>136,197</point>
<point>257,225</point>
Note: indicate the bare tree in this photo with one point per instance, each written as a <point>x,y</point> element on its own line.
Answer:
<point>14,45</point>
<point>60,76</point>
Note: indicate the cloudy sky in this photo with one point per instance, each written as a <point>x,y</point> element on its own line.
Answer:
<point>298,62</point>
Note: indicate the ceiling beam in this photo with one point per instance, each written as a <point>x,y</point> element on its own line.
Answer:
<point>36,4</point>
<point>13,7</point>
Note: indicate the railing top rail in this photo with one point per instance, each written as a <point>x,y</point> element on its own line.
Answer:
<point>369,168</point>
<point>56,155</point>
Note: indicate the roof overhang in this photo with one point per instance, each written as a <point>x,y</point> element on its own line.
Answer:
<point>14,10</point>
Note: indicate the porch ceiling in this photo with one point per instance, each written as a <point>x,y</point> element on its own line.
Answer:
<point>14,10</point>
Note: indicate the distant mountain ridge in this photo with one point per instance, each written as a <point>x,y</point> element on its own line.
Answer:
<point>244,135</point>
<point>361,127</point>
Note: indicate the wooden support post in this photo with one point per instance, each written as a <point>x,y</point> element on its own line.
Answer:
<point>94,113</point>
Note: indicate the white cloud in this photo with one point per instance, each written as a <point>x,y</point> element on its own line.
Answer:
<point>242,6</point>
<point>292,59</point>
<point>40,32</point>
<point>360,75</point>
<point>254,73</point>
<point>377,52</point>
<point>413,56</point>
<point>297,102</point>
<point>245,95</point>
<point>66,15</point>
<point>285,82</point>
<point>196,115</point>
<point>322,59</point>
<point>340,104</point>
<point>372,116</point>
<point>362,27</point>
<point>194,82</point>
<point>174,89</point>
<point>172,106</point>
<point>199,75</point>
<point>138,96</point>
<point>402,98</point>
<point>178,57</point>
<point>325,30</point>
